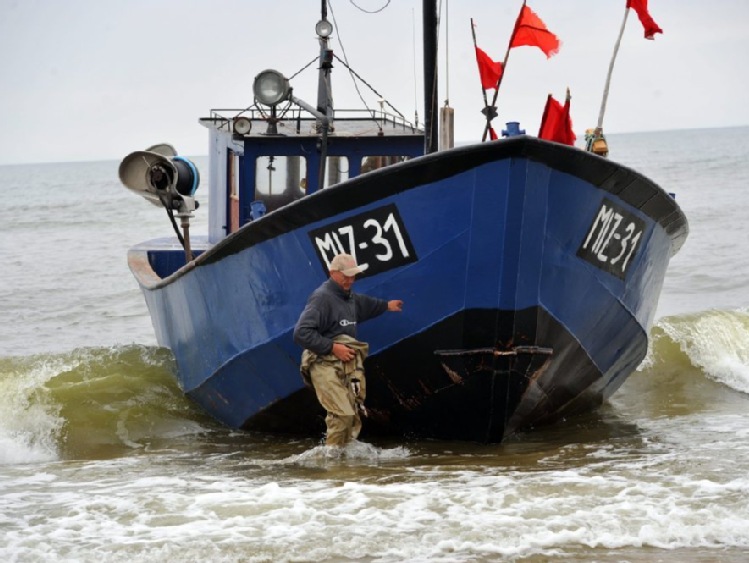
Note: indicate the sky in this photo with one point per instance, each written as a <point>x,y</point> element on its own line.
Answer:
<point>85,80</point>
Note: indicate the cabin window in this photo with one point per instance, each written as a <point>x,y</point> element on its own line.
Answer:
<point>277,176</point>
<point>336,170</point>
<point>279,180</point>
<point>370,163</point>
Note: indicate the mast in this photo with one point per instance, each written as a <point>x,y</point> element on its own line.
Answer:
<point>324,86</point>
<point>324,95</point>
<point>431,110</point>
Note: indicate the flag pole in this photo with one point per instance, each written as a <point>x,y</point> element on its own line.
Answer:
<point>599,127</point>
<point>475,46</point>
<point>491,111</point>
<point>545,115</point>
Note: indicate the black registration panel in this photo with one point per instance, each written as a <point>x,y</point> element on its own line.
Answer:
<point>613,239</point>
<point>377,239</point>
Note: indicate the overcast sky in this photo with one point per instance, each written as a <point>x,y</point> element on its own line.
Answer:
<point>96,79</point>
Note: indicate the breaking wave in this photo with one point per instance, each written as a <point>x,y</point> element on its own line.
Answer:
<point>697,362</point>
<point>98,403</point>
<point>91,403</point>
<point>715,342</point>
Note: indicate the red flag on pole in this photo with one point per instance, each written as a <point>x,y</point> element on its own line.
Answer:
<point>556,124</point>
<point>641,8</point>
<point>531,31</point>
<point>489,70</point>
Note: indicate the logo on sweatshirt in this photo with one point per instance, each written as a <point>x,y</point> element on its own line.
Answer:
<point>344,322</point>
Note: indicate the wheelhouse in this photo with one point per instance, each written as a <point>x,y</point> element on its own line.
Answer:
<point>261,163</point>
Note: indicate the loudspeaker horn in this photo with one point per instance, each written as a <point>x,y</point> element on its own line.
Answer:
<point>147,173</point>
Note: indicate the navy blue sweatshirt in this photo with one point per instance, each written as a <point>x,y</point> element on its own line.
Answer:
<point>331,311</point>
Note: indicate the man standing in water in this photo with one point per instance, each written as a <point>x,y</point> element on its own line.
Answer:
<point>333,360</point>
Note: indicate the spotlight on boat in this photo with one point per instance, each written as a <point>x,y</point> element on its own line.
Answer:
<point>242,125</point>
<point>271,88</point>
<point>162,177</point>
<point>324,29</point>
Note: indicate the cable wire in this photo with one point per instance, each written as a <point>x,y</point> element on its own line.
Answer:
<point>387,3</point>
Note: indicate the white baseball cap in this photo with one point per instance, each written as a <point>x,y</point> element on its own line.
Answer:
<point>346,264</point>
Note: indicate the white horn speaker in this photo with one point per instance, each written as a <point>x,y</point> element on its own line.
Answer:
<point>160,176</point>
<point>148,174</point>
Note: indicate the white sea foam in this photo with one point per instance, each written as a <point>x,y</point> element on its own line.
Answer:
<point>354,451</point>
<point>24,447</point>
<point>425,513</point>
<point>29,421</point>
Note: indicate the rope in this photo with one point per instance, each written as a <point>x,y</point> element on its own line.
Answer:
<point>354,73</point>
<point>387,3</point>
<point>345,62</point>
<point>301,70</point>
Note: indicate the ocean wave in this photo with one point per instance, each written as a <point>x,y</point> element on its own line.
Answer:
<point>98,403</point>
<point>696,363</point>
<point>91,403</point>
<point>716,342</point>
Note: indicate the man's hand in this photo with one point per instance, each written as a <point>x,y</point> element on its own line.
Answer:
<point>396,305</point>
<point>343,352</point>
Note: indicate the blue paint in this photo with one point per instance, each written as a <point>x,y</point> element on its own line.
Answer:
<point>512,129</point>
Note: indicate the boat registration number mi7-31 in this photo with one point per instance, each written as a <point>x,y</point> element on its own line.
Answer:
<point>613,239</point>
<point>378,240</point>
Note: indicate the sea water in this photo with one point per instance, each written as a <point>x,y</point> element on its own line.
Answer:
<point>103,459</point>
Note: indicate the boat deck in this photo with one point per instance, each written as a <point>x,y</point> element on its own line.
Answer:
<point>154,260</point>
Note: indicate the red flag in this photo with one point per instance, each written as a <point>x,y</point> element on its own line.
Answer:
<point>493,134</point>
<point>556,124</point>
<point>489,70</point>
<point>641,7</point>
<point>531,31</point>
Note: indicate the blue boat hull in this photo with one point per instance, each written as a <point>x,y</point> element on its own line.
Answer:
<point>530,273</point>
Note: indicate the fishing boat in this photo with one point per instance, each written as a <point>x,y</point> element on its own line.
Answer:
<point>530,270</point>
